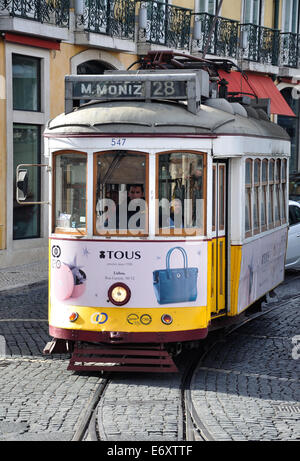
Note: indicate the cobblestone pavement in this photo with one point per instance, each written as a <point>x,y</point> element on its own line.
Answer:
<point>141,408</point>
<point>23,275</point>
<point>246,388</point>
<point>39,398</point>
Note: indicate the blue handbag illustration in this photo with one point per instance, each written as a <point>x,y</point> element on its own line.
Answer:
<point>175,285</point>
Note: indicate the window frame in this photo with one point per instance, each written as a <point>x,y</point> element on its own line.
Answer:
<point>60,230</point>
<point>271,191</point>
<point>256,195</point>
<point>264,195</point>
<point>121,232</point>
<point>186,232</point>
<point>38,86</point>
<point>248,193</point>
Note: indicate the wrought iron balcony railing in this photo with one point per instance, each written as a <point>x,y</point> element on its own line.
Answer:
<point>289,49</point>
<point>167,25</point>
<point>224,41</point>
<point>45,11</point>
<point>115,18</point>
<point>261,44</point>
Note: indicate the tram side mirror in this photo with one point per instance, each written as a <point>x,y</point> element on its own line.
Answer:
<point>22,185</point>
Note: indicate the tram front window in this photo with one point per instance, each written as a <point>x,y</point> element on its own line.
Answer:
<point>70,192</point>
<point>121,205</point>
<point>181,193</point>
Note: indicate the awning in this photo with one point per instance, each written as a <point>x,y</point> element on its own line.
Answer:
<point>260,85</point>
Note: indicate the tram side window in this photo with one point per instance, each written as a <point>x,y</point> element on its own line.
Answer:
<point>121,195</point>
<point>181,194</point>
<point>70,192</point>
<point>265,194</point>
<point>248,201</point>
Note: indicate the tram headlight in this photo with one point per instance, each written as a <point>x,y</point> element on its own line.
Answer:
<point>119,294</point>
<point>166,319</point>
<point>73,317</point>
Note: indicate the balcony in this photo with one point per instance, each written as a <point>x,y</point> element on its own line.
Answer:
<point>224,41</point>
<point>261,44</point>
<point>48,18</point>
<point>166,25</point>
<point>289,51</point>
<point>107,23</point>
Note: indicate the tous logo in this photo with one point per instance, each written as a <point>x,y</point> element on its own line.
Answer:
<point>118,254</point>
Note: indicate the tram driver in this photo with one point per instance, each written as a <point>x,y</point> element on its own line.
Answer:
<point>128,214</point>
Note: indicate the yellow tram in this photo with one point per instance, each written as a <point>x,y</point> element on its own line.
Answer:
<point>168,213</point>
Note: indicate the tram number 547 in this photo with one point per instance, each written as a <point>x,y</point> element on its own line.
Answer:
<point>118,142</point>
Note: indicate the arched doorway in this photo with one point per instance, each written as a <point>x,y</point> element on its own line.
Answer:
<point>93,67</point>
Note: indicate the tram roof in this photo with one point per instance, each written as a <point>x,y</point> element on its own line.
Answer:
<point>215,117</point>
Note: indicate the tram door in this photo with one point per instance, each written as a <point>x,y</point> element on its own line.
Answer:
<point>218,246</point>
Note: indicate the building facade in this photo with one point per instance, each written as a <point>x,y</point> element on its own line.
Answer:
<point>42,41</point>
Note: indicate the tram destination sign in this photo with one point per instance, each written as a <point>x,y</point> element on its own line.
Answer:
<point>135,86</point>
<point>128,90</point>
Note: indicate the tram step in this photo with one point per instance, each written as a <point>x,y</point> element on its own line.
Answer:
<point>118,358</point>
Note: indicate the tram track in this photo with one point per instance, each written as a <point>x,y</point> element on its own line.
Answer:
<point>194,428</point>
<point>87,424</point>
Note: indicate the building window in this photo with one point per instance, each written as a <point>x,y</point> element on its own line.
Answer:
<point>26,83</point>
<point>208,6</point>
<point>26,149</point>
<point>252,12</point>
<point>290,16</point>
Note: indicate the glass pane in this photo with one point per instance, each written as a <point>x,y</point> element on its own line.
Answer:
<point>277,203</point>
<point>256,208</point>
<point>295,16</point>
<point>221,197</point>
<point>248,11</point>
<point>256,12</point>
<point>248,210</point>
<point>248,177</point>
<point>271,201</point>
<point>211,6</point>
<point>271,170</point>
<point>263,207</point>
<point>26,148</point>
<point>181,192</point>
<point>283,171</point>
<point>121,186</point>
<point>283,202</point>
<point>70,192</point>
<point>264,170</point>
<point>214,207</point>
<point>278,168</point>
<point>257,171</point>
<point>26,83</point>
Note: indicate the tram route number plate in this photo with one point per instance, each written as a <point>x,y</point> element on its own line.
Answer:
<point>131,90</point>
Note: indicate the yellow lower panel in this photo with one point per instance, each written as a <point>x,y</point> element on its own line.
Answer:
<point>236,258</point>
<point>129,320</point>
